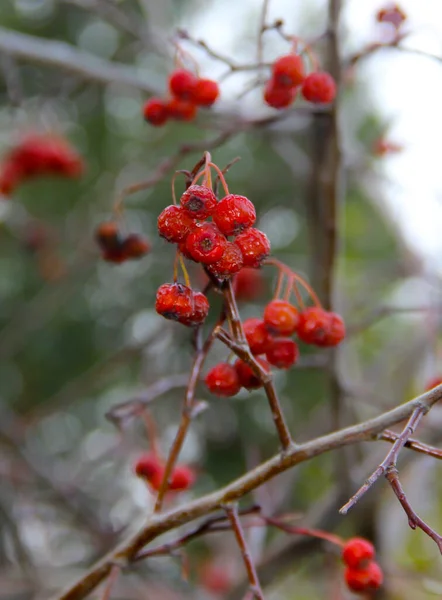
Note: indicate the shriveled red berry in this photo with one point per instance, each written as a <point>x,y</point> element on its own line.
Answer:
<point>155,111</point>
<point>108,235</point>
<point>254,245</point>
<point>314,325</point>
<point>198,201</point>
<point>257,335</point>
<point>433,383</point>
<point>336,330</point>
<point>223,380</point>
<point>281,317</point>
<point>247,377</point>
<point>248,284</point>
<point>278,97</point>
<point>174,224</point>
<point>288,71</point>
<point>148,465</point>
<point>230,262</point>
<point>182,478</point>
<point>182,84</point>
<point>368,579</point>
<point>134,246</point>
<point>282,352</point>
<point>233,214</point>
<point>200,310</point>
<point>206,243</point>
<point>357,552</point>
<point>206,92</point>
<point>319,88</point>
<point>174,301</point>
<point>392,14</point>
<point>181,110</point>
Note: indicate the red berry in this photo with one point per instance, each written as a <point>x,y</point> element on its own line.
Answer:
<point>223,380</point>
<point>200,311</point>
<point>288,71</point>
<point>206,243</point>
<point>174,301</point>
<point>183,250</point>
<point>254,245</point>
<point>357,552</point>
<point>248,284</point>
<point>182,84</point>
<point>155,111</point>
<point>278,97</point>
<point>336,330</point>
<point>198,201</point>
<point>314,325</point>
<point>115,255</point>
<point>281,317</point>
<point>233,214</point>
<point>206,92</point>
<point>231,262</point>
<point>319,88</point>
<point>257,335</point>
<point>247,377</point>
<point>215,579</point>
<point>433,383</point>
<point>282,352</point>
<point>134,246</point>
<point>174,224</point>
<point>108,235</point>
<point>182,478</point>
<point>181,110</point>
<point>364,580</point>
<point>148,466</point>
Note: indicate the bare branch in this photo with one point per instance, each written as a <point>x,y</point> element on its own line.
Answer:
<point>416,445</point>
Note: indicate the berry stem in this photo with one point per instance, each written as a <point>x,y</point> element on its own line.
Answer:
<point>151,431</point>
<point>279,283</point>
<point>233,313</point>
<point>184,270</point>
<point>294,277</point>
<point>293,530</point>
<point>221,176</point>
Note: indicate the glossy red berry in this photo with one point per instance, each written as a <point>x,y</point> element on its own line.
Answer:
<point>134,246</point>
<point>288,71</point>
<point>182,478</point>
<point>336,330</point>
<point>200,311</point>
<point>314,325</point>
<point>174,301</point>
<point>182,84</point>
<point>230,263</point>
<point>183,250</point>
<point>206,92</point>
<point>181,110</point>
<point>281,317</point>
<point>433,383</point>
<point>368,579</point>
<point>155,111</point>
<point>108,235</point>
<point>257,335</point>
<point>233,214</point>
<point>148,466</point>
<point>247,377</point>
<point>198,201</point>
<point>278,97</point>
<point>205,243</point>
<point>223,380</point>
<point>175,224</point>
<point>319,88</point>
<point>254,245</point>
<point>282,352</point>
<point>248,284</point>
<point>357,552</point>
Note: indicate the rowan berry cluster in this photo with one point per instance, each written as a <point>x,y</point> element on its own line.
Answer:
<point>117,247</point>
<point>188,93</point>
<point>150,467</point>
<point>362,573</point>
<point>38,155</point>
<point>289,77</point>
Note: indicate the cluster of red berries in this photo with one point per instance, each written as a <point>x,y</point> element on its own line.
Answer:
<point>207,242</point>
<point>150,468</point>
<point>270,336</point>
<point>362,573</point>
<point>188,93</point>
<point>288,77</point>
<point>39,155</point>
<point>117,247</point>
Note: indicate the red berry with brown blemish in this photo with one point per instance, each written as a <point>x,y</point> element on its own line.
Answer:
<point>319,88</point>
<point>257,335</point>
<point>206,92</point>
<point>248,284</point>
<point>182,84</point>
<point>174,301</point>
<point>181,110</point>
<point>254,245</point>
<point>223,380</point>
<point>357,552</point>
<point>281,317</point>
<point>206,243</point>
<point>108,235</point>
<point>314,325</point>
<point>175,224</point>
<point>230,263</point>
<point>134,246</point>
<point>282,352</point>
<point>200,311</point>
<point>278,97</point>
<point>199,202</point>
<point>182,478</point>
<point>288,71</point>
<point>247,377</point>
<point>233,214</point>
<point>156,112</point>
<point>367,579</point>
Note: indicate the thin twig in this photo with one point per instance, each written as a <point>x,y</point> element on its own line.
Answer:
<point>111,580</point>
<point>261,30</point>
<point>416,445</point>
